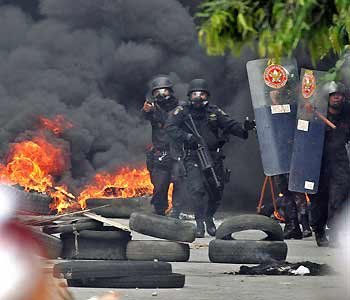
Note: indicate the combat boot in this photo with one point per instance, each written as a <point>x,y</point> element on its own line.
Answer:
<point>159,212</point>
<point>305,225</point>
<point>174,214</point>
<point>200,229</point>
<point>292,231</point>
<point>321,238</point>
<point>211,228</point>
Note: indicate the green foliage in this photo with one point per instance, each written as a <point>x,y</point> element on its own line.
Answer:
<point>275,27</point>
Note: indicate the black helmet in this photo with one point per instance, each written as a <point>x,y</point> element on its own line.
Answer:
<point>336,87</point>
<point>198,85</point>
<point>161,82</point>
<point>161,91</point>
<point>198,93</point>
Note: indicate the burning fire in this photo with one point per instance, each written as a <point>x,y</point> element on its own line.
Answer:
<point>125,183</point>
<point>57,125</point>
<point>34,164</point>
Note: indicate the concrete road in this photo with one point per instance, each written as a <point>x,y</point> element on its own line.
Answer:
<point>205,280</point>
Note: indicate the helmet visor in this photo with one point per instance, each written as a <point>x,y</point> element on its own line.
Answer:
<point>199,95</point>
<point>161,92</point>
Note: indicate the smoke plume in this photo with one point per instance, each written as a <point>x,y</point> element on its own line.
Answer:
<point>90,61</point>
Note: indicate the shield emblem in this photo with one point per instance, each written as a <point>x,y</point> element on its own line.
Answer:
<point>308,84</point>
<point>273,88</point>
<point>309,133</point>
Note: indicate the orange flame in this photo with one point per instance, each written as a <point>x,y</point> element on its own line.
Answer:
<point>57,125</point>
<point>125,183</point>
<point>33,164</point>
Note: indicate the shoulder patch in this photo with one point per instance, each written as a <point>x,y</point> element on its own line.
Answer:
<point>178,109</point>
<point>213,117</point>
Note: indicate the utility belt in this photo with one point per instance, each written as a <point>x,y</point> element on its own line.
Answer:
<point>216,155</point>
<point>223,173</point>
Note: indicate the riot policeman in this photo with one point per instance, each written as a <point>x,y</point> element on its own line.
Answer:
<point>160,101</point>
<point>334,183</point>
<point>201,129</point>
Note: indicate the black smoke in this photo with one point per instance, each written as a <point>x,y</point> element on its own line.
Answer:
<point>90,60</point>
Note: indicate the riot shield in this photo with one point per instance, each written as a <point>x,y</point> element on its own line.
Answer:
<point>309,133</point>
<point>273,88</point>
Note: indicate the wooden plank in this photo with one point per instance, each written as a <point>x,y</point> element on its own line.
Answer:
<point>107,221</point>
<point>46,220</point>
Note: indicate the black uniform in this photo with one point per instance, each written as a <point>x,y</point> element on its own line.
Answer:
<point>160,164</point>
<point>213,125</point>
<point>334,184</point>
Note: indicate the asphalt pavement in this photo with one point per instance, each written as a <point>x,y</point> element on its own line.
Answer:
<point>206,280</point>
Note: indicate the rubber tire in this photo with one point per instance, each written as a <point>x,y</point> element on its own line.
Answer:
<point>160,250</point>
<point>163,227</point>
<point>247,252</point>
<point>53,246</point>
<point>120,207</point>
<point>250,222</point>
<point>83,269</point>
<point>85,224</point>
<point>173,280</point>
<point>109,244</point>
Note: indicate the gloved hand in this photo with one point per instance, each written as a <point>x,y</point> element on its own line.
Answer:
<point>147,106</point>
<point>249,125</point>
<point>192,140</point>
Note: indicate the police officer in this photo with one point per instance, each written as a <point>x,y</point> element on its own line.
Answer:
<point>213,125</point>
<point>334,182</point>
<point>160,101</point>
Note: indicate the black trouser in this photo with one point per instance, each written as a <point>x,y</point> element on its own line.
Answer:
<point>330,200</point>
<point>289,201</point>
<point>161,172</point>
<point>204,197</point>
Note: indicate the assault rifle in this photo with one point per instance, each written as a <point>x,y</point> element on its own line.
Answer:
<point>205,159</point>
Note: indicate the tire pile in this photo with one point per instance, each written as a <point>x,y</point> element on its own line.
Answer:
<point>105,256</point>
<point>270,249</point>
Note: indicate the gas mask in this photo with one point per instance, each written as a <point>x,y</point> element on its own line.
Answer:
<point>164,98</point>
<point>162,95</point>
<point>199,99</point>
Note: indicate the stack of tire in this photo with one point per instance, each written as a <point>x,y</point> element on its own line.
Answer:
<point>119,274</point>
<point>235,251</point>
<point>106,256</point>
<point>175,235</point>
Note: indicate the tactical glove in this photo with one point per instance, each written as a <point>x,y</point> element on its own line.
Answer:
<point>249,125</point>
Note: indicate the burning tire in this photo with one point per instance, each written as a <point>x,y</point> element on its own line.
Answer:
<point>28,202</point>
<point>250,222</point>
<point>84,224</point>
<point>52,245</point>
<point>163,227</point>
<point>173,280</point>
<point>120,207</point>
<point>160,250</point>
<point>110,269</point>
<point>246,252</point>
<point>109,244</point>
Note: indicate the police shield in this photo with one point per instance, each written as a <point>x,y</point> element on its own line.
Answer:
<point>273,87</point>
<point>309,133</point>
